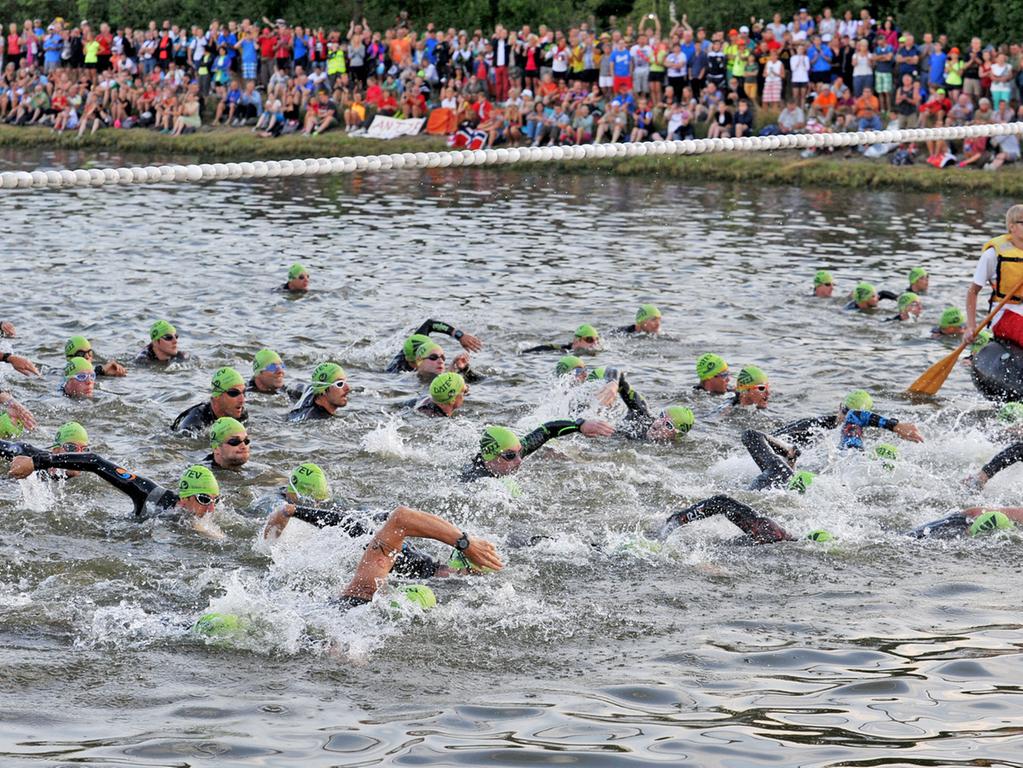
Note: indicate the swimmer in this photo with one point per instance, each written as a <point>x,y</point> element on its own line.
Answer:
<point>752,390</point>
<point>670,425</point>
<point>757,528</point>
<point>307,498</point>
<point>713,374</point>
<point>298,279</point>
<point>70,438</point>
<point>229,443</point>
<point>405,359</point>
<point>823,284</point>
<point>648,321</point>
<point>854,414</point>
<point>268,376</point>
<point>586,339</point>
<point>952,323</point>
<point>328,391</point>
<point>447,395</point>
<point>970,522</point>
<point>79,379</point>
<point>22,365</point>
<point>162,347</point>
<point>910,307</point>
<point>7,329</point>
<point>501,452</point>
<point>430,363</point>
<point>1011,415</point>
<point>227,398</point>
<point>195,498</point>
<point>79,346</point>
<point>864,297</point>
<point>919,280</point>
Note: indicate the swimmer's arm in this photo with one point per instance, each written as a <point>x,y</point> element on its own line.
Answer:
<point>634,401</point>
<point>9,450</point>
<point>905,430</point>
<point>139,489</point>
<point>803,431</point>
<point>467,340</point>
<point>889,295</point>
<point>536,439</point>
<point>1013,513</point>
<point>545,348</point>
<point>1003,459</point>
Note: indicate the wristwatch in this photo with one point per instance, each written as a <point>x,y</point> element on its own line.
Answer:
<point>463,542</point>
<point>458,335</point>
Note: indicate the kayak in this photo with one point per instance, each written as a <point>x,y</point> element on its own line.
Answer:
<point>998,370</point>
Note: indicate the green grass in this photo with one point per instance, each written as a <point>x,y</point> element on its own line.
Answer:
<point>775,168</point>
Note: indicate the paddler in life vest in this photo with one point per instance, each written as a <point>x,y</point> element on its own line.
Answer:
<point>1001,267</point>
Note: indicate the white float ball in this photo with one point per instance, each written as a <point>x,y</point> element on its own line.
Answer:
<point>39,178</point>
<point>96,177</point>
<point>193,172</point>
<point>53,179</point>
<point>67,178</point>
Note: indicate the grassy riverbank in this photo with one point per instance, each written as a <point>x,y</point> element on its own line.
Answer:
<point>779,168</point>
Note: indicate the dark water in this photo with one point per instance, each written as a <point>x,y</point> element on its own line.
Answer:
<point>593,648</point>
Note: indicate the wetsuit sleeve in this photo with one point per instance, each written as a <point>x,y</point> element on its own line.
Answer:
<point>877,420</point>
<point>330,517</point>
<point>634,401</point>
<point>545,348</point>
<point>436,326</point>
<point>774,470</point>
<point>1004,458</point>
<point>804,431</point>
<point>398,364</point>
<point>888,295</point>
<point>548,431</point>
<point>9,450</point>
<point>955,524</point>
<point>138,489</point>
<point>759,528</point>
<point>471,377</point>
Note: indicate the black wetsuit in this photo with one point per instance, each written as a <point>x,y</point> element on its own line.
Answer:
<point>881,295</point>
<point>773,458</point>
<point>954,525</point>
<point>309,410</point>
<point>1004,459</point>
<point>630,328</point>
<point>399,364</point>
<point>758,529</point>
<point>198,417</point>
<point>148,498</point>
<point>530,444</point>
<point>551,347</point>
<point>148,357</point>
<point>639,419</point>
<point>429,408</point>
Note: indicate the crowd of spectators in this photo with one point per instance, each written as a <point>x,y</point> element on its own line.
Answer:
<point>813,72</point>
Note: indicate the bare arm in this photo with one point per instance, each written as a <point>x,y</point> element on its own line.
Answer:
<point>971,311</point>
<point>386,545</point>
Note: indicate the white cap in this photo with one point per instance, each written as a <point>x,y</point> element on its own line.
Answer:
<point>743,30</point>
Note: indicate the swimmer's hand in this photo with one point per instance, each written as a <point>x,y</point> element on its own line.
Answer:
<point>470,342</point>
<point>607,394</point>
<point>205,526</point>
<point>18,412</point>
<point>21,467</point>
<point>23,365</point>
<point>114,368</point>
<point>483,554</point>
<point>596,428</point>
<point>277,520</point>
<point>461,362</point>
<point>908,431</point>
<point>7,329</point>
<point>977,481</point>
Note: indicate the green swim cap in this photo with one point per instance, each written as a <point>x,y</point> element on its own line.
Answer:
<point>951,317</point>
<point>990,520</point>
<point>750,376</point>
<point>568,364</point>
<point>858,400</point>
<point>446,388</point>
<point>886,452</point>
<point>263,358</point>
<point>822,277</point>
<point>325,375</point>
<point>197,479</point>
<point>800,481</point>
<point>75,346</point>
<point>224,379</point>
<point>681,417</point>
<point>412,343</point>
<point>9,427</point>
<point>1011,413</point>
<point>644,313</point>
<point>161,328</point>
<point>863,291</point>
<point>296,270</point>
<point>981,341</point>
<point>223,428</point>
<point>710,365</point>
<point>219,625</point>
<point>597,373</point>
<point>905,299</point>
<point>497,439</point>
<point>819,535</point>
<point>459,562</point>
<point>916,273</point>
<point>426,349</point>
<point>417,594</point>
<point>72,432</point>
<point>77,365</point>
<point>586,330</point>
<point>512,486</point>
<point>308,480</point>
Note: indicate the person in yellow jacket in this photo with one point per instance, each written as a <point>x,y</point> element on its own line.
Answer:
<point>1000,267</point>
<point>337,67</point>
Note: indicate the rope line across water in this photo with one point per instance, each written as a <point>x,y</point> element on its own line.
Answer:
<point>271,169</point>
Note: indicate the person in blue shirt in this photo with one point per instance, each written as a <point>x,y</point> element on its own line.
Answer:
<point>820,56</point>
<point>52,47</point>
<point>936,73</point>
<point>621,67</point>
<point>228,104</point>
<point>250,104</point>
<point>907,57</point>
<point>300,49</point>
<point>250,55</point>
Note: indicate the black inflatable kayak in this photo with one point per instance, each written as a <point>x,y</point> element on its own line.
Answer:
<point>998,370</point>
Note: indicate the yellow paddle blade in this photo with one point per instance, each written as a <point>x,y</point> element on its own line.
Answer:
<point>930,381</point>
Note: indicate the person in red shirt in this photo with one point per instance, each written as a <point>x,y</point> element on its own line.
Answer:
<point>267,47</point>
<point>373,93</point>
<point>388,104</point>
<point>282,51</point>
<point>482,108</point>
<point>106,42</point>
<point>14,49</point>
